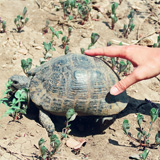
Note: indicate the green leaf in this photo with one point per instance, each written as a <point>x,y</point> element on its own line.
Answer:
<point>64,38</point>
<point>41,141</point>
<point>114,7</point>
<point>109,43</point>
<point>126,126</point>
<point>26,64</point>
<point>15,20</point>
<point>145,154</point>
<point>22,111</point>
<point>68,131</point>
<point>113,62</point>
<point>51,28</point>
<point>57,143</point>
<point>122,66</point>
<point>66,50</point>
<point>47,23</point>
<point>4,25</point>
<point>9,111</point>
<point>14,101</point>
<point>114,18</point>
<point>56,34</point>
<point>139,136</point>
<point>140,118</point>
<point>120,44</point>
<point>132,26</point>
<point>70,113</point>
<point>26,20</point>
<point>154,114</point>
<point>82,50</point>
<point>70,17</point>
<point>63,135</point>
<point>43,150</point>
<point>70,30</point>
<point>72,3</point>
<point>60,32</point>
<point>24,11</point>
<point>47,46</point>
<point>154,45</point>
<point>69,125</point>
<point>131,15</point>
<point>157,138</point>
<point>147,141</point>
<point>53,49</point>
<point>53,138</point>
<point>94,38</point>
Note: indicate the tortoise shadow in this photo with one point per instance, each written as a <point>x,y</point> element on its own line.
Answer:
<point>92,125</point>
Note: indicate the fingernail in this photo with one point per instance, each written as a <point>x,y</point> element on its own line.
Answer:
<point>114,91</point>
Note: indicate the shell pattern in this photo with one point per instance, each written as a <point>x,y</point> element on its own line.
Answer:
<point>76,81</point>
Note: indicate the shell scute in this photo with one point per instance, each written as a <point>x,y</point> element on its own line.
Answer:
<point>76,81</point>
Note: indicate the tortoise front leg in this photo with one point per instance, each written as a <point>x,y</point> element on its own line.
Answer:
<point>46,122</point>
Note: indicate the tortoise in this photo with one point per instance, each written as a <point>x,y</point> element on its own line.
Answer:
<point>72,81</point>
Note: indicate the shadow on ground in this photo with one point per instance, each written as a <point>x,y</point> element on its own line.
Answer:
<point>92,125</point>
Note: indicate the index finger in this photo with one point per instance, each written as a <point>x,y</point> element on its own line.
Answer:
<point>111,51</point>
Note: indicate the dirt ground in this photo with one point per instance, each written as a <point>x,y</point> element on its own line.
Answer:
<point>19,140</point>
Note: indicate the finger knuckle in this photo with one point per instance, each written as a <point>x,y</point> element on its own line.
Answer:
<point>121,85</point>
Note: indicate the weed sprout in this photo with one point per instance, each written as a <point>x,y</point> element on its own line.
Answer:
<point>70,116</point>
<point>2,26</point>
<point>26,65</point>
<point>79,10</point>
<point>113,14</point>
<point>94,39</point>
<point>130,27</point>
<point>54,145</point>
<point>21,20</point>
<point>143,136</point>
<point>18,105</point>
<point>66,39</point>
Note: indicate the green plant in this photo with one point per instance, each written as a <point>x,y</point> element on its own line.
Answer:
<point>124,67</point>
<point>113,14</point>
<point>17,104</point>
<point>26,65</point>
<point>54,145</point>
<point>79,10</point>
<point>143,136</point>
<point>84,11</point>
<point>68,7</point>
<point>21,20</point>
<point>2,26</point>
<point>130,27</point>
<point>54,33</point>
<point>47,47</point>
<point>66,39</point>
<point>94,39</point>
<point>66,50</point>
<point>121,65</point>
<point>70,116</point>
<point>158,42</point>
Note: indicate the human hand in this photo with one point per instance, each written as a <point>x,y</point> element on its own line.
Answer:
<point>146,62</point>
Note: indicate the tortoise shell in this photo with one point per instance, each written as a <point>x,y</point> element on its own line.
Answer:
<point>76,81</point>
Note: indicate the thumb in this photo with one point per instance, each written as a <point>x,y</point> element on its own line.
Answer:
<point>123,84</point>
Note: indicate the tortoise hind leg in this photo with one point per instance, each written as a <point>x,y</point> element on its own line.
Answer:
<point>46,122</point>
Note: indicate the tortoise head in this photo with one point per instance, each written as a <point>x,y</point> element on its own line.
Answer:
<point>19,82</point>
